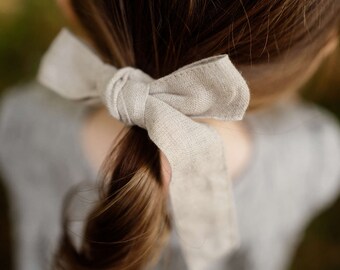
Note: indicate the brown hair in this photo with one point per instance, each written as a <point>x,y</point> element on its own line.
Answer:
<point>130,223</point>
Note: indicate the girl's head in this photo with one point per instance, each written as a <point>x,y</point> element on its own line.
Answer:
<point>275,44</point>
<point>272,41</point>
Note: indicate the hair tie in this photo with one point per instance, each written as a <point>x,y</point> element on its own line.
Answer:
<point>200,188</point>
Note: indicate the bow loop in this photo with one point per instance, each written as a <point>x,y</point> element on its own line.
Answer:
<point>209,88</point>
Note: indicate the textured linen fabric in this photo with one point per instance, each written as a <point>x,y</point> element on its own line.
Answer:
<point>202,201</point>
<point>293,173</point>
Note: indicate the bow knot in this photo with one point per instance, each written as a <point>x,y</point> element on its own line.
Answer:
<point>126,95</point>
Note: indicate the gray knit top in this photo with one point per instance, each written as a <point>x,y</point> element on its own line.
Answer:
<point>293,173</point>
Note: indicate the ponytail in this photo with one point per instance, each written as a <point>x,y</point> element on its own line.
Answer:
<point>129,225</point>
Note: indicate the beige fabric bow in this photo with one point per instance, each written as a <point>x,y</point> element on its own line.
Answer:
<point>200,188</point>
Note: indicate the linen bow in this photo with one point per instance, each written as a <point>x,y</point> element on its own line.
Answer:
<point>200,187</point>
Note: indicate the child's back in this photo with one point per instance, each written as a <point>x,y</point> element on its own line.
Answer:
<point>292,174</point>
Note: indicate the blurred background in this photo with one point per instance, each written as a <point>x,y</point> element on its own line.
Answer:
<point>26,29</point>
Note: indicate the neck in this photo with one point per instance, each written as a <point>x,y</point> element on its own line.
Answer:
<point>237,143</point>
<point>100,131</point>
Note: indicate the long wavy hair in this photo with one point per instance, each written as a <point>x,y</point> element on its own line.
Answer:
<point>269,41</point>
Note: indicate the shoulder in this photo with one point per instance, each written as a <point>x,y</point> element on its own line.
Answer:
<point>40,161</point>
<point>302,124</point>
<point>30,112</point>
<point>33,102</point>
<point>37,125</point>
<point>301,141</point>
<point>299,115</point>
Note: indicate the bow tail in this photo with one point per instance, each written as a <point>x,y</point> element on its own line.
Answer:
<point>200,191</point>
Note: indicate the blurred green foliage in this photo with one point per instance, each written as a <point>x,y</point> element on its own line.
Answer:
<point>25,33</point>
<point>26,29</point>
